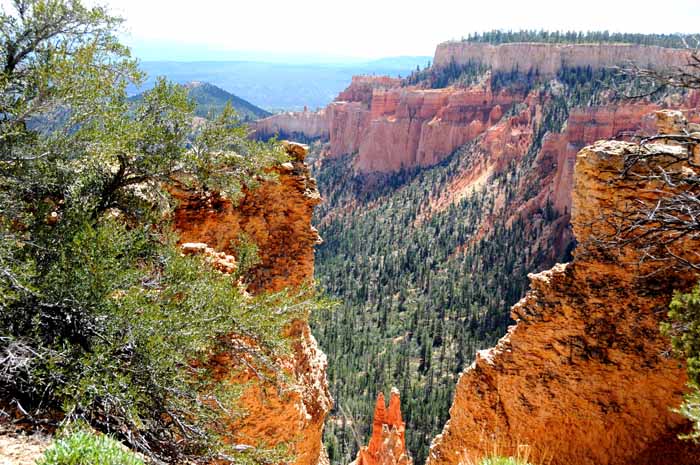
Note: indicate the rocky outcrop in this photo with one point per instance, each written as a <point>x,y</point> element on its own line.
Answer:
<point>584,377</point>
<point>405,128</point>
<point>309,124</point>
<point>387,446</point>
<point>277,218</point>
<point>550,58</point>
<point>411,128</point>
<point>361,88</point>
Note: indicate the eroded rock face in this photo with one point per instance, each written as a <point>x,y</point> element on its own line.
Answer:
<point>277,218</point>
<point>585,376</point>
<point>387,446</point>
<point>310,124</point>
<point>550,58</point>
<point>405,128</point>
<point>361,88</point>
<point>411,128</point>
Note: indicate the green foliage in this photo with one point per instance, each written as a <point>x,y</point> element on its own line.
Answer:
<point>684,329</point>
<point>87,448</point>
<point>495,460</point>
<point>101,318</point>
<point>453,74</point>
<point>210,101</point>
<point>246,253</point>
<point>498,36</point>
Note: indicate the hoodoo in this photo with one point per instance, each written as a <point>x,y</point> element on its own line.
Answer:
<point>387,446</point>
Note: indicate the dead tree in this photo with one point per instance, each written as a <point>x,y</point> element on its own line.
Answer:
<point>666,167</point>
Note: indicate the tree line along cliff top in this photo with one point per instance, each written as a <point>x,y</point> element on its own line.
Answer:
<point>498,37</point>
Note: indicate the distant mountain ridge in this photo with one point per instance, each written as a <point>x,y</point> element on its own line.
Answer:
<point>211,100</point>
<point>278,86</point>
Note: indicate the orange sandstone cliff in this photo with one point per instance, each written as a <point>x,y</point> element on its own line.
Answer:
<point>584,377</point>
<point>387,446</point>
<point>277,217</point>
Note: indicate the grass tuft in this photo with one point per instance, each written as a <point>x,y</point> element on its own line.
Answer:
<point>87,448</point>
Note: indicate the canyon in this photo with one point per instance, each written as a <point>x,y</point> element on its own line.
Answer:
<point>470,265</point>
<point>483,176</point>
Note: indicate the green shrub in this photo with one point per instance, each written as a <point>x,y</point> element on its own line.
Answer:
<point>101,317</point>
<point>87,448</point>
<point>684,329</point>
<point>502,461</point>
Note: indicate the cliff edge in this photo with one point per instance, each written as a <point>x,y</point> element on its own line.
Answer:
<point>548,59</point>
<point>584,377</point>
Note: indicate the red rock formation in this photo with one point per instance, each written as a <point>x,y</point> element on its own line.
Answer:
<point>415,127</point>
<point>310,124</point>
<point>348,126</point>
<point>584,377</point>
<point>387,446</point>
<point>277,217</point>
<point>361,88</point>
<point>550,58</point>
<point>393,127</point>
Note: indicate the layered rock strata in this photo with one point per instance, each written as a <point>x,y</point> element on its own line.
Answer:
<point>550,58</point>
<point>391,127</point>
<point>584,377</point>
<point>277,218</point>
<point>387,446</point>
<point>309,124</point>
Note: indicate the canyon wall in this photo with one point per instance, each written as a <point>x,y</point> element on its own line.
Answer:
<point>411,128</point>
<point>277,218</point>
<point>550,58</point>
<point>393,127</point>
<point>387,446</point>
<point>584,377</point>
<point>309,124</point>
<point>396,128</point>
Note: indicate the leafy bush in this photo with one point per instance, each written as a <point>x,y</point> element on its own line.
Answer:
<point>86,448</point>
<point>684,329</point>
<point>101,318</point>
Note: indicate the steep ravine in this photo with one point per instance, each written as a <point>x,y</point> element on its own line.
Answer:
<point>438,204</point>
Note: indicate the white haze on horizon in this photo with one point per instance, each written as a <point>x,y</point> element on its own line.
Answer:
<point>368,29</point>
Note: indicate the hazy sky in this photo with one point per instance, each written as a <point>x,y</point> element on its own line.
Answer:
<point>374,28</point>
